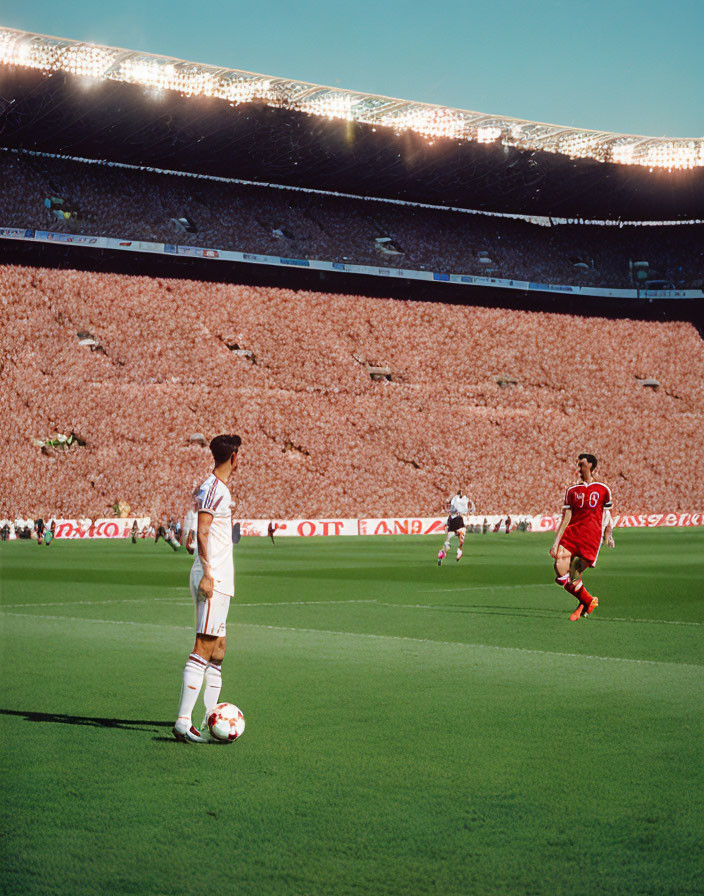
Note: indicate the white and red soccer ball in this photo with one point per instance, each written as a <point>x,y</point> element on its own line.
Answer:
<point>225,723</point>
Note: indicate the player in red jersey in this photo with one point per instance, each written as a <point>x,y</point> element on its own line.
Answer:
<point>586,524</point>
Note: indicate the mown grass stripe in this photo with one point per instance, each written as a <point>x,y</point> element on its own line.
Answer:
<point>320,631</point>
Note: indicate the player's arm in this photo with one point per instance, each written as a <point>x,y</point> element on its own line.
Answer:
<point>205,588</point>
<point>608,527</point>
<point>190,538</point>
<point>564,523</point>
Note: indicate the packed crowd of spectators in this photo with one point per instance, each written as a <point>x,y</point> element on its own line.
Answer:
<point>348,406</point>
<point>104,200</point>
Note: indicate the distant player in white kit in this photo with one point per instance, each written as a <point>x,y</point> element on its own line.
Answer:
<point>459,508</point>
<point>212,586</point>
<point>190,531</point>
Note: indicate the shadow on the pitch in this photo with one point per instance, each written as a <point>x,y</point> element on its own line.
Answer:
<point>491,610</point>
<point>93,721</point>
<point>503,611</point>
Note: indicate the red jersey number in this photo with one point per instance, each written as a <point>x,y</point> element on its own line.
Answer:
<point>583,499</point>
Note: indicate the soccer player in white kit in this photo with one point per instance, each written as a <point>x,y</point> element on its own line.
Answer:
<point>459,507</point>
<point>190,531</point>
<point>212,586</point>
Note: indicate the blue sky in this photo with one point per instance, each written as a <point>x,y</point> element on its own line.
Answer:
<point>617,65</point>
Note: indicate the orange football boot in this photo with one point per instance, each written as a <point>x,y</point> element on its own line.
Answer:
<point>593,604</point>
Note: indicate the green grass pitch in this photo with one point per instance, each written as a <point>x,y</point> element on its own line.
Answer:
<point>410,729</point>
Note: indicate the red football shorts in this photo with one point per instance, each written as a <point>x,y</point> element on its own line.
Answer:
<point>571,542</point>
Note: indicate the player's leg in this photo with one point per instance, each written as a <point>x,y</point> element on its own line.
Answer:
<point>573,586</point>
<point>448,538</point>
<point>562,566</point>
<point>577,567</point>
<point>461,533</point>
<point>442,553</point>
<point>191,684</point>
<point>196,664</point>
<point>576,587</point>
<point>217,625</point>
<point>213,679</point>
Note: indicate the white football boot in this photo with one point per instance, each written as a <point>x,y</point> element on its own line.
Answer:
<point>188,734</point>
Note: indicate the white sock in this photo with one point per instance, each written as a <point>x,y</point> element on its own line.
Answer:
<point>446,546</point>
<point>193,673</point>
<point>213,684</point>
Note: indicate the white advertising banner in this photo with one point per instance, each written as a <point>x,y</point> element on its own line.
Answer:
<point>315,264</point>
<point>547,522</point>
<point>103,528</point>
<point>303,528</point>
<point>370,526</point>
<point>550,522</point>
<point>402,526</point>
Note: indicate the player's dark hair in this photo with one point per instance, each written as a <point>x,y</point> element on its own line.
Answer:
<point>223,447</point>
<point>590,459</point>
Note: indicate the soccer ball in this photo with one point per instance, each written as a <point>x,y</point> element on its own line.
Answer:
<point>225,723</point>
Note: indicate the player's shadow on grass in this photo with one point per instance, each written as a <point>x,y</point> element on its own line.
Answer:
<point>93,721</point>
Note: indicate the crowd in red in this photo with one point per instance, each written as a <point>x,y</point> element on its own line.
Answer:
<point>347,406</point>
<point>105,200</point>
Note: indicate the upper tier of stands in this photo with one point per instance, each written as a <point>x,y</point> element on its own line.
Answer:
<point>348,406</point>
<point>102,200</point>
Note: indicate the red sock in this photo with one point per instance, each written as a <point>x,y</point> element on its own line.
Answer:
<point>577,589</point>
<point>585,596</point>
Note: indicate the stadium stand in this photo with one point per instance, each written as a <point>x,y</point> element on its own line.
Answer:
<point>348,405</point>
<point>102,200</point>
<point>161,112</point>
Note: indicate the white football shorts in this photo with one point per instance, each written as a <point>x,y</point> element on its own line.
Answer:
<point>211,615</point>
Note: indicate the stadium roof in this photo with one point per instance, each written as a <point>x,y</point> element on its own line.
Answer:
<point>307,134</point>
<point>190,78</point>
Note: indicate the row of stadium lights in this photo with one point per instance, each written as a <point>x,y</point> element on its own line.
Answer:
<point>431,121</point>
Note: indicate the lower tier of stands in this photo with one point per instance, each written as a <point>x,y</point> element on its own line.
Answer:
<point>348,406</point>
